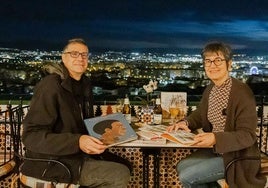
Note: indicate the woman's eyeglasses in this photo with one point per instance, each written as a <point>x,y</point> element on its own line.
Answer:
<point>218,61</point>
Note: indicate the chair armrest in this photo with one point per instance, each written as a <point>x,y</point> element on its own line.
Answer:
<point>48,160</point>
<point>238,159</point>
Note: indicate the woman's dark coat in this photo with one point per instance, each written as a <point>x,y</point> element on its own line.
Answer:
<point>239,136</point>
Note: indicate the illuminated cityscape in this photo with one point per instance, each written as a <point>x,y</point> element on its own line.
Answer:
<point>115,74</point>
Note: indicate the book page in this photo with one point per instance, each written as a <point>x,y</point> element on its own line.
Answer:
<point>180,136</point>
<point>150,138</point>
<point>157,129</point>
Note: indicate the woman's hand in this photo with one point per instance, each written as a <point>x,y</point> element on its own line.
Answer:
<point>91,145</point>
<point>180,125</point>
<point>205,139</point>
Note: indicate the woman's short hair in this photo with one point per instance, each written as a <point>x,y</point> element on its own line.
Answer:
<point>216,47</point>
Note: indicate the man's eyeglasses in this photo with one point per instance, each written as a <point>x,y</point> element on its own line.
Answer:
<point>218,61</point>
<point>75,54</point>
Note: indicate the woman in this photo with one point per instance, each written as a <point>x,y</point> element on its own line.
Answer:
<point>227,115</point>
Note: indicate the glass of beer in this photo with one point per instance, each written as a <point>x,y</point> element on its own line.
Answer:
<point>182,112</point>
<point>174,111</point>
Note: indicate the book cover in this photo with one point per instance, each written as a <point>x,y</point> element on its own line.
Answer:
<point>112,129</point>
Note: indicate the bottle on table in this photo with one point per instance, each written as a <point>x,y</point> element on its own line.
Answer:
<point>127,109</point>
<point>157,111</point>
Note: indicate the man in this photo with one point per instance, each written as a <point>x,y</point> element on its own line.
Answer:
<point>54,127</point>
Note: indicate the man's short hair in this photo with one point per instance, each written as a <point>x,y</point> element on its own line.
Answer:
<point>75,40</point>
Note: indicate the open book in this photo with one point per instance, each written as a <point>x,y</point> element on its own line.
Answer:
<point>179,136</point>
<point>112,129</point>
<point>148,137</point>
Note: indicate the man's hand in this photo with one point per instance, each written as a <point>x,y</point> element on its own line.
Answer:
<point>205,139</point>
<point>91,145</point>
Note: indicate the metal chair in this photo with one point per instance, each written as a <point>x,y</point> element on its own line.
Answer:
<point>16,116</point>
<point>7,158</point>
<point>262,142</point>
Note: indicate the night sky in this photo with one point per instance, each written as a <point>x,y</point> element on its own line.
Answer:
<point>135,25</point>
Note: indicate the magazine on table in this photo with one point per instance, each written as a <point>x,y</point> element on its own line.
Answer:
<point>157,131</point>
<point>112,129</point>
<point>147,137</point>
<point>180,136</point>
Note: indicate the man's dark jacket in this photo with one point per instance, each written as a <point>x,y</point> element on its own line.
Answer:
<point>54,124</point>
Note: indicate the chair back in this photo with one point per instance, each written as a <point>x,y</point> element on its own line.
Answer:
<point>7,162</point>
<point>16,116</point>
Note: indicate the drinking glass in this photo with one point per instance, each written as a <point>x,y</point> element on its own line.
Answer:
<point>181,113</point>
<point>174,111</point>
